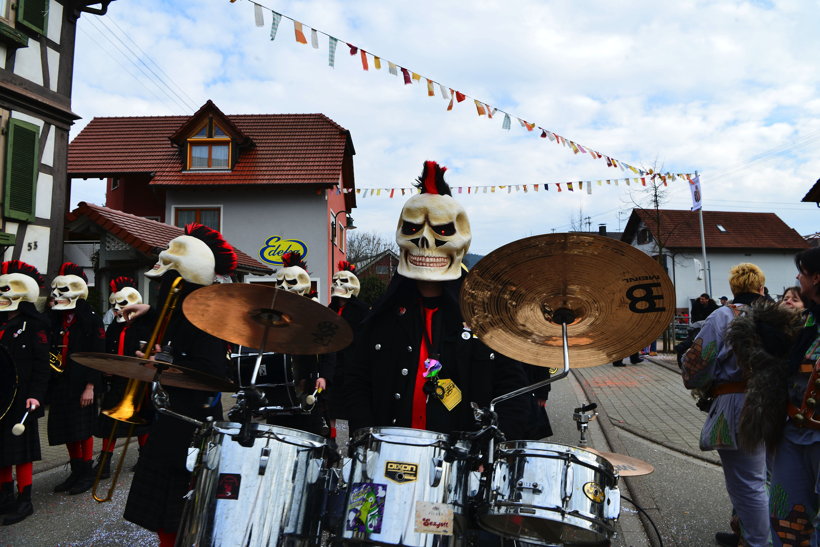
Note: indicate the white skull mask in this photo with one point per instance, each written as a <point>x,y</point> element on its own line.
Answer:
<point>16,288</point>
<point>433,236</point>
<point>66,290</point>
<point>293,279</point>
<point>345,284</point>
<point>189,256</point>
<point>124,297</point>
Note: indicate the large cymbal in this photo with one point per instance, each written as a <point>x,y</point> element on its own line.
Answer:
<point>240,313</point>
<point>144,370</point>
<point>618,297</point>
<point>626,466</point>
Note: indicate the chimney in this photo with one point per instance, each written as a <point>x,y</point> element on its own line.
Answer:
<point>602,229</point>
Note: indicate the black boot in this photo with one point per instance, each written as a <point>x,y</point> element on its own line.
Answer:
<point>85,479</point>
<point>72,478</point>
<point>106,468</point>
<point>7,501</point>
<point>22,509</point>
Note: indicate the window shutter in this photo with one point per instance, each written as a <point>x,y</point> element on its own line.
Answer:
<point>33,14</point>
<point>21,170</point>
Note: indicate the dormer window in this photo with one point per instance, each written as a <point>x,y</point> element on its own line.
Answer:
<point>209,147</point>
<point>721,228</point>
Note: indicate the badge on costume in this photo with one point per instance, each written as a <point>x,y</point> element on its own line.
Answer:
<point>452,395</point>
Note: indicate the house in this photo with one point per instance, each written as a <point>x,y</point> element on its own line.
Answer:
<point>36,68</point>
<point>126,244</point>
<point>731,238</point>
<point>382,266</point>
<point>270,183</point>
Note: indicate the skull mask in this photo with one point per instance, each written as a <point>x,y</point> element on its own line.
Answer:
<point>433,236</point>
<point>345,284</point>
<point>16,288</point>
<point>66,290</point>
<point>293,279</point>
<point>189,256</point>
<point>124,297</point>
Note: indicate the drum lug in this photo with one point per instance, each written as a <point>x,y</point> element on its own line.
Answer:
<point>568,482</point>
<point>436,471</point>
<point>263,459</point>
<point>526,485</point>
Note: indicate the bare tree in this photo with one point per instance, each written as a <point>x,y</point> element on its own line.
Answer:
<point>362,245</point>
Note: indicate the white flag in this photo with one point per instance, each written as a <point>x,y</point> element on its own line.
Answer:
<point>697,196</point>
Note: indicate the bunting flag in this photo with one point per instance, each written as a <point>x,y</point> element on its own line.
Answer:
<point>331,51</point>
<point>274,24</point>
<point>409,76</point>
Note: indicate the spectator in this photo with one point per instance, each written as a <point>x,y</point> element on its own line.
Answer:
<point>723,300</point>
<point>703,307</point>
<point>710,367</point>
<point>792,299</point>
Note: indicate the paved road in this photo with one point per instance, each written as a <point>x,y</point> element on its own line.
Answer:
<point>644,413</point>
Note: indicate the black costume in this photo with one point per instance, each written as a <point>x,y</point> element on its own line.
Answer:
<point>353,311</point>
<point>25,339</point>
<point>379,383</point>
<point>78,329</point>
<point>161,478</point>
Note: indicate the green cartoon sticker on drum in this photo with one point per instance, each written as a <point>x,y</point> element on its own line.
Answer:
<point>365,508</point>
<point>594,492</point>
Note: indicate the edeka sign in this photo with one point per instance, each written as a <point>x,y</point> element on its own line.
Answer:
<point>275,247</point>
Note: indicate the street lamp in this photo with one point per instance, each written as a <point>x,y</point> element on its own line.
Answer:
<point>349,226</point>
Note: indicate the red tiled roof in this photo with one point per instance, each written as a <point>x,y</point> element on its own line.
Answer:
<point>147,235</point>
<point>681,229</point>
<point>289,149</point>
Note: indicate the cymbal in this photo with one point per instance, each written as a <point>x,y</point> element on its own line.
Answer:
<point>266,318</point>
<point>626,466</point>
<point>614,299</point>
<point>144,370</point>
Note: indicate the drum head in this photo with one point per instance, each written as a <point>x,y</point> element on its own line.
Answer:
<point>9,382</point>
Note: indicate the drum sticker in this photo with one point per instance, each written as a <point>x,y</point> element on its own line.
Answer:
<point>227,488</point>
<point>594,492</point>
<point>434,518</point>
<point>401,472</point>
<point>365,508</point>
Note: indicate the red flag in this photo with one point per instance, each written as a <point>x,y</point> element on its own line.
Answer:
<point>406,75</point>
<point>364,59</point>
<point>353,49</point>
<point>460,96</point>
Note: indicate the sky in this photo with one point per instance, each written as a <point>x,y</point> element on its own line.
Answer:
<point>726,89</point>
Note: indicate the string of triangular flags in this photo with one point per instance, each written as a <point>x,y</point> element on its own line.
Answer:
<point>568,186</point>
<point>302,31</point>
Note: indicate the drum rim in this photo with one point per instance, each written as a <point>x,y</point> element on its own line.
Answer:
<point>402,432</point>
<point>227,428</point>
<point>526,448</point>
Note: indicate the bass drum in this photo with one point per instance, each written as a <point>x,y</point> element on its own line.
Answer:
<point>406,487</point>
<point>9,382</point>
<point>550,494</point>
<point>271,492</point>
<point>283,378</point>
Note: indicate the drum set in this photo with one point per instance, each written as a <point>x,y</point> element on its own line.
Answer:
<point>256,484</point>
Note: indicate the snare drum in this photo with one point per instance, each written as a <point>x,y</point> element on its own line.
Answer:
<point>283,378</point>
<point>270,493</point>
<point>549,494</point>
<point>406,487</point>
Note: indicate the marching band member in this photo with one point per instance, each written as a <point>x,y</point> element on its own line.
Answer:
<point>121,338</point>
<point>75,327</point>
<point>24,341</point>
<point>417,363</point>
<point>161,478</point>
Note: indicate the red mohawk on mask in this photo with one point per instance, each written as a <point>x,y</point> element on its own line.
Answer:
<point>69,268</point>
<point>224,255</point>
<point>345,266</point>
<point>18,266</point>
<point>119,283</point>
<point>293,258</point>
<point>431,180</point>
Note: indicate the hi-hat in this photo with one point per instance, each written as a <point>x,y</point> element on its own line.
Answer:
<point>263,317</point>
<point>626,466</point>
<point>145,369</point>
<point>614,299</point>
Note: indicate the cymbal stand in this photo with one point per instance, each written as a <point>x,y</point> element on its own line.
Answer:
<point>582,416</point>
<point>563,316</point>
<point>162,401</point>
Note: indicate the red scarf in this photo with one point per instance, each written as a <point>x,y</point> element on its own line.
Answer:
<point>419,409</point>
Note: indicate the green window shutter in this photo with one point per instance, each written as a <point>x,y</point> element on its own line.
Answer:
<point>22,165</point>
<point>33,14</point>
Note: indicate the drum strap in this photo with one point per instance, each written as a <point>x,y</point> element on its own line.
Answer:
<point>419,410</point>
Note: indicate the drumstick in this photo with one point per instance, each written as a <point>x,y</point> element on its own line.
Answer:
<point>18,429</point>
<point>311,399</point>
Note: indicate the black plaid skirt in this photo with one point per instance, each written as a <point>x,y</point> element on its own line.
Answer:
<point>156,499</point>
<point>22,449</point>
<point>67,420</point>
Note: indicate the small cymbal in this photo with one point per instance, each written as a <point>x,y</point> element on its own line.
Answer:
<point>145,369</point>
<point>614,299</point>
<point>626,466</point>
<point>267,318</point>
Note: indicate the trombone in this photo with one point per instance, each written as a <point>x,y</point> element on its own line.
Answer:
<point>127,410</point>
